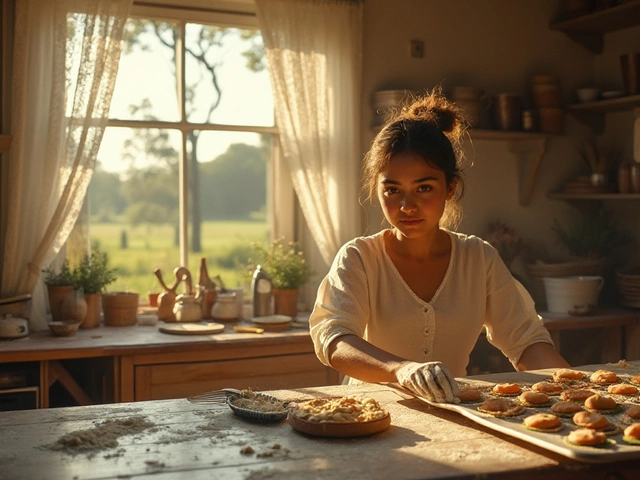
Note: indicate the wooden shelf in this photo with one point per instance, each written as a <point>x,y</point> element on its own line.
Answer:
<point>589,29</point>
<point>530,149</point>
<point>593,196</point>
<point>593,113</point>
<point>5,142</point>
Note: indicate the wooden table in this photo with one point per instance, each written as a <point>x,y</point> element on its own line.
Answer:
<point>205,442</point>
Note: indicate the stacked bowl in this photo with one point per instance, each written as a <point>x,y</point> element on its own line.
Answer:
<point>383,102</point>
<point>629,284</point>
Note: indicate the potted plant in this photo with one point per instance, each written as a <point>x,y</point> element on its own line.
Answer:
<point>591,237</point>
<point>288,270</point>
<point>60,288</point>
<point>93,275</point>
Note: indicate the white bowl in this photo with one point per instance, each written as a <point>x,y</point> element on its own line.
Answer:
<point>612,94</point>
<point>590,94</point>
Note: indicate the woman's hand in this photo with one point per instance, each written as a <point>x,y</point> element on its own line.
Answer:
<point>431,380</point>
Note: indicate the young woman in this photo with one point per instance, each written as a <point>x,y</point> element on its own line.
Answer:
<point>407,304</point>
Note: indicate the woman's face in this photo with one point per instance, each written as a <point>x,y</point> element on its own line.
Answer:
<point>412,194</point>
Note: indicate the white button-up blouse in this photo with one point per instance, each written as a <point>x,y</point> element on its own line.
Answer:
<point>365,295</point>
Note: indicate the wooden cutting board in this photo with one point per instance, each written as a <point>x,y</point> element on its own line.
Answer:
<point>192,328</point>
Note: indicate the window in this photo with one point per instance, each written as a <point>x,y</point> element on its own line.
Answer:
<point>184,166</point>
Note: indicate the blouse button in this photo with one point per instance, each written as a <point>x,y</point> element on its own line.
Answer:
<point>426,330</point>
<point>426,351</point>
<point>425,310</point>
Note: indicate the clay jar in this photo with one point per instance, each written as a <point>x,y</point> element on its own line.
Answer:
<point>506,111</point>
<point>635,177</point>
<point>624,178</point>
<point>225,308</point>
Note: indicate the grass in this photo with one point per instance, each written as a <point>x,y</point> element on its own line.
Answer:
<point>225,244</point>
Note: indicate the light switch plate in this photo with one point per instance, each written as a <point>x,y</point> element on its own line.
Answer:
<point>417,48</point>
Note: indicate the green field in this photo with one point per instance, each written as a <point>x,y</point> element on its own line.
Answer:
<point>225,244</point>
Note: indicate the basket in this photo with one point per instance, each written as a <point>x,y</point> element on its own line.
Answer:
<point>120,308</point>
<point>628,279</point>
<point>539,269</point>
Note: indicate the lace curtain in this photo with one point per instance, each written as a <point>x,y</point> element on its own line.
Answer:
<point>66,55</point>
<point>314,51</point>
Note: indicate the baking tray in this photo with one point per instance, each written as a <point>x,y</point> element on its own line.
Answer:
<point>553,442</point>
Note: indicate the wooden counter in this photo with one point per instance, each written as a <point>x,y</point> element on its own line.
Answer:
<point>146,364</point>
<point>141,363</point>
<point>205,442</point>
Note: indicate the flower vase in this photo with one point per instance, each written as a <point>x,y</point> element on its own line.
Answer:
<point>74,308</point>
<point>286,301</point>
<point>94,308</point>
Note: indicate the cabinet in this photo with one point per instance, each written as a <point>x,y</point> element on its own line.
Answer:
<point>5,142</point>
<point>589,30</point>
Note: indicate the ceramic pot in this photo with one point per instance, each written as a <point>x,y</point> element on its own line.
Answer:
<point>634,175</point>
<point>624,178</point>
<point>74,309</point>
<point>187,309</point>
<point>286,302</point>
<point>567,293</point>
<point>225,308</point>
<point>94,308</point>
<point>506,111</point>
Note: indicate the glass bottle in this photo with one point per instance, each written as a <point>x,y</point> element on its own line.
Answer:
<point>262,290</point>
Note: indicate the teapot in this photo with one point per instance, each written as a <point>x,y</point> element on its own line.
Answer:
<point>187,308</point>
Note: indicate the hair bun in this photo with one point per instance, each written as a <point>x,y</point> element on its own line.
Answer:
<point>434,108</point>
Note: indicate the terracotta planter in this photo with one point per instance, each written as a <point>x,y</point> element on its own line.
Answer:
<point>120,308</point>
<point>58,295</point>
<point>94,307</point>
<point>286,302</point>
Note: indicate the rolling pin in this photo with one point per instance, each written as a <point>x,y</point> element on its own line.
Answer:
<point>248,329</point>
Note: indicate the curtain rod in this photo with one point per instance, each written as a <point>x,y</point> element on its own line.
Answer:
<point>192,8</point>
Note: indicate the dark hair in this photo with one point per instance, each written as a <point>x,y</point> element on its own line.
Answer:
<point>429,126</point>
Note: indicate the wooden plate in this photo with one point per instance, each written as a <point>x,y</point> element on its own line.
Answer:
<point>340,429</point>
<point>192,328</point>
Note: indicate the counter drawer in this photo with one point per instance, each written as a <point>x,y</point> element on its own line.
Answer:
<point>179,380</point>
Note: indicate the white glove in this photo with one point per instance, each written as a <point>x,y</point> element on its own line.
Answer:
<point>431,380</point>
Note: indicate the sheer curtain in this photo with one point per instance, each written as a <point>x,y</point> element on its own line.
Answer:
<point>61,91</point>
<point>314,50</point>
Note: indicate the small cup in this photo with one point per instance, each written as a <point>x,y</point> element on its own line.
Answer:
<point>589,94</point>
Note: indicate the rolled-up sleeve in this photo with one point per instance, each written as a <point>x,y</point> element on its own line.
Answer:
<point>342,303</point>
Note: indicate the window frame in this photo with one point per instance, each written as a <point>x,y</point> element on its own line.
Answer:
<point>204,16</point>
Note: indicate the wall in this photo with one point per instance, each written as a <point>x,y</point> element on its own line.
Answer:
<point>496,45</point>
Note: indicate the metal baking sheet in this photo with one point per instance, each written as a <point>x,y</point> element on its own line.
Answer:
<point>554,441</point>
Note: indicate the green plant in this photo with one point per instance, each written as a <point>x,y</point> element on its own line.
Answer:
<point>93,273</point>
<point>64,277</point>
<point>285,264</point>
<point>592,236</point>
